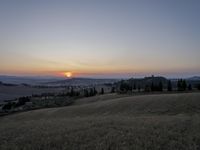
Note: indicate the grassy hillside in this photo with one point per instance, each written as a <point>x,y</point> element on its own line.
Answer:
<point>108,122</point>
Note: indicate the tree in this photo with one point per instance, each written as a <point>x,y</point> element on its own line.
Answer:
<point>181,85</point>
<point>22,101</point>
<point>152,86</point>
<point>139,88</point>
<point>95,91</point>
<point>124,87</point>
<point>198,86</point>
<point>102,91</point>
<point>160,86</point>
<point>134,86</point>
<point>71,92</point>
<point>169,86</point>
<point>7,106</point>
<point>184,85</point>
<point>86,93</point>
<point>190,87</point>
<point>147,88</point>
<point>91,92</point>
<point>112,90</point>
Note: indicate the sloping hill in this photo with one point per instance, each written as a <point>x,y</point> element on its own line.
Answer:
<point>108,122</point>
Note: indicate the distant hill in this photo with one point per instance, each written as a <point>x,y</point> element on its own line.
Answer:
<point>146,81</point>
<point>27,80</point>
<point>149,80</point>
<point>7,84</point>
<point>59,81</point>
<point>194,78</point>
<point>81,82</point>
<point>53,81</point>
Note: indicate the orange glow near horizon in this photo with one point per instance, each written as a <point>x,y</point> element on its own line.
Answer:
<point>68,74</point>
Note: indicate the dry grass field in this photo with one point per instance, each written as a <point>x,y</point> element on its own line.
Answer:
<point>108,122</point>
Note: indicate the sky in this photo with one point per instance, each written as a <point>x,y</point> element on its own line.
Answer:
<point>100,38</point>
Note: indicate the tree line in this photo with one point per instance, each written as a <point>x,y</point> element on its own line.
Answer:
<point>181,85</point>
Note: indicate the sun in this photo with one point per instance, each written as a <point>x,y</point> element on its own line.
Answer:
<point>68,74</point>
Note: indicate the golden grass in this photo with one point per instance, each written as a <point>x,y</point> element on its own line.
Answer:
<point>108,122</point>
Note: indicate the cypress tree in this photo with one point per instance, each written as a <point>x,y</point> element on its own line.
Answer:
<point>102,90</point>
<point>198,86</point>
<point>160,86</point>
<point>112,90</point>
<point>71,92</point>
<point>152,86</point>
<point>179,85</point>
<point>169,86</point>
<point>184,85</point>
<point>86,93</point>
<point>189,87</point>
<point>139,88</point>
<point>95,91</point>
<point>134,86</point>
<point>91,92</point>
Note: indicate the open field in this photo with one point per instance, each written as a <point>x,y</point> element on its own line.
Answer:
<point>108,122</point>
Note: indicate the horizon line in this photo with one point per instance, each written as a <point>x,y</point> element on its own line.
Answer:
<point>97,77</point>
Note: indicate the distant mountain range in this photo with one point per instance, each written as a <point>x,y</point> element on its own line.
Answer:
<point>194,78</point>
<point>81,82</point>
<point>55,81</point>
<point>27,80</point>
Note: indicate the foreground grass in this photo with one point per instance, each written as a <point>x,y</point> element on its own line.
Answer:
<point>141,122</point>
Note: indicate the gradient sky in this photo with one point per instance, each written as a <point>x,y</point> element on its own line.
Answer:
<point>100,38</point>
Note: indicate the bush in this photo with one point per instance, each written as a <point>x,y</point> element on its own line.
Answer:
<point>154,87</point>
<point>22,101</point>
<point>8,106</point>
<point>125,87</point>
